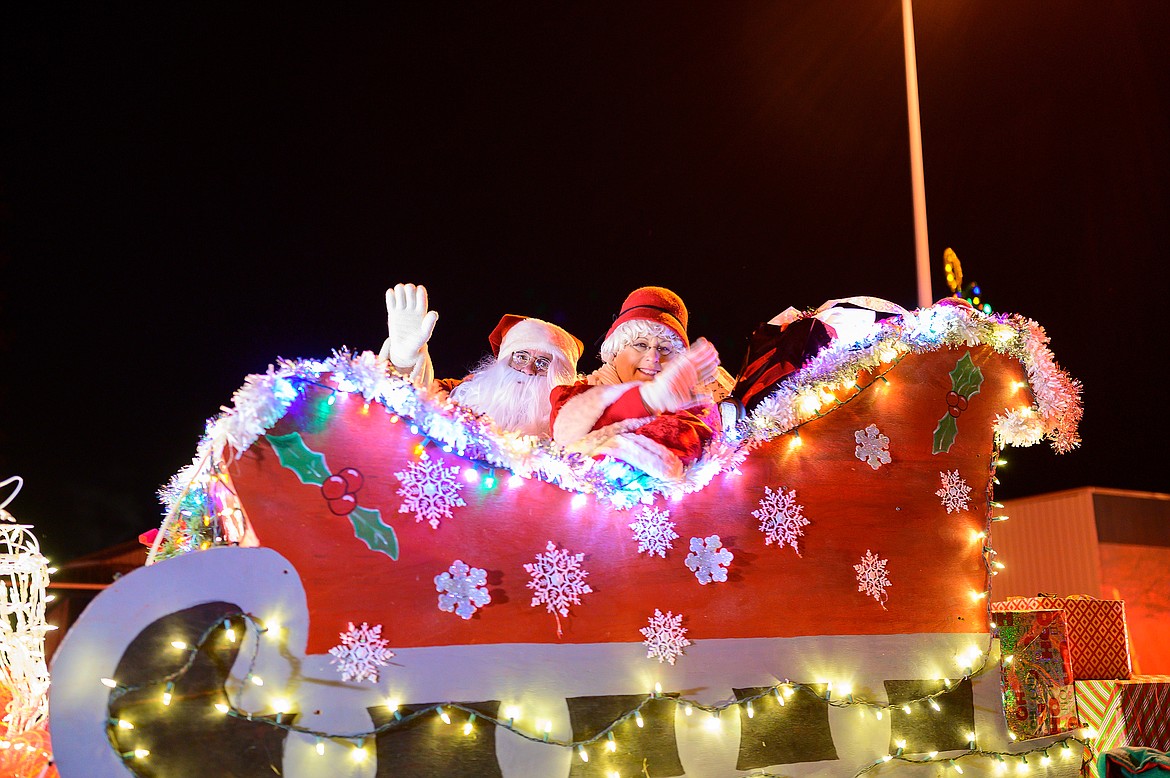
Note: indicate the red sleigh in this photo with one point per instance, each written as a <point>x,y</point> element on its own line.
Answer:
<point>840,534</point>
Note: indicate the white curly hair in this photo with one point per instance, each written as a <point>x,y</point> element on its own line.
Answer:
<point>627,332</point>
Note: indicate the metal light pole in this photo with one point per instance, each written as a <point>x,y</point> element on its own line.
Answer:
<point>917,180</point>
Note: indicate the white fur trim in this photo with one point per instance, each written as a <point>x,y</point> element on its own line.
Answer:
<point>538,335</point>
<point>647,455</point>
<point>576,417</point>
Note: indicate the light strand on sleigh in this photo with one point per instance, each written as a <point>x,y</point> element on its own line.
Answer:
<point>781,692</point>
<point>753,435</point>
<point>1002,758</point>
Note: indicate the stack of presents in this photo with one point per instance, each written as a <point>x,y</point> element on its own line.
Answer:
<point>1066,664</point>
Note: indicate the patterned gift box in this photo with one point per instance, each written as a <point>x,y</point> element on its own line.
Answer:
<point>1038,694</point>
<point>1135,712</point>
<point>1131,713</point>
<point>1096,630</point>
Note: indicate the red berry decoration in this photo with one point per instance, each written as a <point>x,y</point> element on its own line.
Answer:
<point>334,487</point>
<point>957,403</point>
<point>342,505</point>
<point>353,479</point>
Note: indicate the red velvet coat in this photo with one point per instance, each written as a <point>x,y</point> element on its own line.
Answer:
<point>612,419</point>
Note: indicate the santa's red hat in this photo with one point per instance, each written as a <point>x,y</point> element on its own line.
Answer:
<point>522,333</point>
<point>654,303</point>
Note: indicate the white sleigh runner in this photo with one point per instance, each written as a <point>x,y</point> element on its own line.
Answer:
<point>356,577</point>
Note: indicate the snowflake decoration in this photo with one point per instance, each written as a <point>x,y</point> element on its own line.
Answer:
<point>781,518</point>
<point>361,653</point>
<point>955,494</point>
<point>429,490</point>
<point>665,637</point>
<point>654,533</point>
<point>708,559</point>
<point>872,578</point>
<point>872,447</point>
<point>461,589</point>
<point>557,579</point>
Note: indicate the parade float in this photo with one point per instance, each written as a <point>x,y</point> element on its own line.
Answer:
<point>355,576</point>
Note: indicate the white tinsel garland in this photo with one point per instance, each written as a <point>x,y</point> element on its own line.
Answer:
<point>264,399</point>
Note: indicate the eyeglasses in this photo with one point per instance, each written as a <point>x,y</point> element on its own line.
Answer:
<point>664,348</point>
<point>520,360</point>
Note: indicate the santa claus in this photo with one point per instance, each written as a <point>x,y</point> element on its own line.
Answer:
<point>512,385</point>
<point>650,404</point>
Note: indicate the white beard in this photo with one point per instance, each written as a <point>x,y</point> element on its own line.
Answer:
<point>515,401</point>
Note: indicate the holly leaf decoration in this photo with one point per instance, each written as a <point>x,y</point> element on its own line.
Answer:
<point>944,434</point>
<point>309,465</point>
<point>369,528</point>
<point>966,378</point>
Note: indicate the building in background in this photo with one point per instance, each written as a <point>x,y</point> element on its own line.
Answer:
<point>78,581</point>
<point>1108,543</point>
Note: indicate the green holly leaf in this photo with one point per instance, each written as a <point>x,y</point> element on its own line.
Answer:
<point>369,528</point>
<point>944,434</point>
<point>309,465</point>
<point>966,378</point>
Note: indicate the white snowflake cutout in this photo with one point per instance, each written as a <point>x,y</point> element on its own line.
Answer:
<point>872,447</point>
<point>955,494</point>
<point>429,490</point>
<point>654,533</point>
<point>872,577</point>
<point>361,653</point>
<point>781,518</point>
<point>708,559</point>
<point>557,579</point>
<point>461,589</point>
<point>665,637</point>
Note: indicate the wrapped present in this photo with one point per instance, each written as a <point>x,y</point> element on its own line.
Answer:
<point>1133,712</point>
<point>1096,631</point>
<point>1038,693</point>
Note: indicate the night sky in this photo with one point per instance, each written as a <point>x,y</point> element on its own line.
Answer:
<point>189,192</point>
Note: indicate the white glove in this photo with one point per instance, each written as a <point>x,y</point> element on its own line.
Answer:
<point>409,323</point>
<point>676,387</point>
<point>706,361</point>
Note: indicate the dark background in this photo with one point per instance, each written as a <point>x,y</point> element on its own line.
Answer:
<point>189,192</point>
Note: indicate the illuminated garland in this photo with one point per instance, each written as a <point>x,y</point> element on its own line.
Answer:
<point>807,394</point>
<point>974,662</point>
<point>117,728</point>
<point>1056,414</point>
